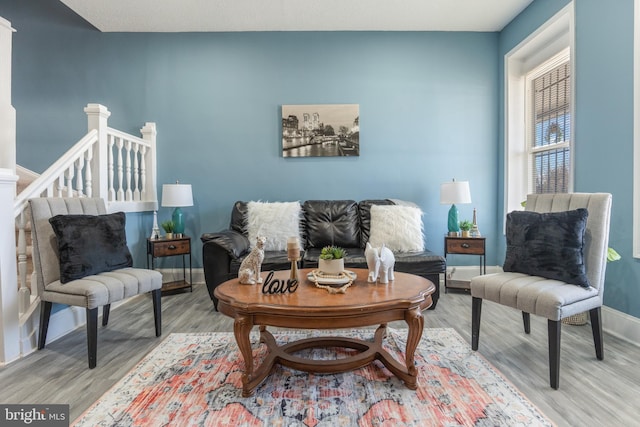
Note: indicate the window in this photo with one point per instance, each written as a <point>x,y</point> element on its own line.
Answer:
<point>538,112</point>
<point>549,127</point>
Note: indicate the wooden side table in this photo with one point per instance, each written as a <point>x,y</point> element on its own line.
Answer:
<point>465,246</point>
<point>159,248</point>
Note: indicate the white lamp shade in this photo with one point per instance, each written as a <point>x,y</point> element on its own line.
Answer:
<point>455,192</point>
<point>176,195</point>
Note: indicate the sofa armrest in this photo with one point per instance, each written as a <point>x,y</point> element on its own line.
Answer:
<point>218,250</point>
<point>234,243</point>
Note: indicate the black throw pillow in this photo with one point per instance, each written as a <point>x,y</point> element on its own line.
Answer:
<point>90,244</point>
<point>549,245</point>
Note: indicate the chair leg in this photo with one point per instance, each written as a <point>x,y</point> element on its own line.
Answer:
<point>596,329</point>
<point>476,311</point>
<point>92,335</point>
<point>105,314</point>
<point>554,352</point>
<point>526,319</point>
<point>45,314</point>
<point>157,312</point>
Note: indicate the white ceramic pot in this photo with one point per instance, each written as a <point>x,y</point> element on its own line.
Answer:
<point>331,266</point>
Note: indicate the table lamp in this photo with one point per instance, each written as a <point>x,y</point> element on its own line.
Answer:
<point>452,193</point>
<point>177,195</point>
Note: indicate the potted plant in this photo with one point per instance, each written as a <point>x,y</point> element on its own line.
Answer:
<point>465,227</point>
<point>331,260</point>
<point>167,226</point>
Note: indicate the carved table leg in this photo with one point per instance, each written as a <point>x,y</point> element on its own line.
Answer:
<point>382,330</point>
<point>415,322</point>
<point>242,329</point>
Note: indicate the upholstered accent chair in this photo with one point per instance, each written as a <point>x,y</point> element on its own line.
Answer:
<point>553,298</point>
<point>91,278</point>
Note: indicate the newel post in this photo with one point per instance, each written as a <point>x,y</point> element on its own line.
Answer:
<point>9,317</point>
<point>9,309</point>
<point>97,116</point>
<point>149,186</point>
<point>7,112</point>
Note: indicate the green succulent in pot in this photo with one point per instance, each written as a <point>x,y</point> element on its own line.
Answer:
<point>331,260</point>
<point>466,225</point>
<point>332,252</point>
<point>167,226</point>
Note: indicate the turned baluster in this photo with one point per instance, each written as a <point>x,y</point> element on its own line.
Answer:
<point>143,173</point>
<point>136,173</point>
<point>112,191</point>
<point>88,176</point>
<point>120,192</point>
<point>128,194</point>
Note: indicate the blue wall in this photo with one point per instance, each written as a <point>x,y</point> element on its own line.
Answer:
<point>428,110</point>
<point>603,125</point>
<point>604,130</point>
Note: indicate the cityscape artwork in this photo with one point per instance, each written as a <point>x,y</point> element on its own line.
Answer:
<point>324,130</point>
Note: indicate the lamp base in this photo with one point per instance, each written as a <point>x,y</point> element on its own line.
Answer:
<point>452,223</point>
<point>178,221</point>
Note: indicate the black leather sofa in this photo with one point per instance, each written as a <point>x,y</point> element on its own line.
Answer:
<point>344,223</point>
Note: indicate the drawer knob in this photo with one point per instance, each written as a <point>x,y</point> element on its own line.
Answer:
<point>466,245</point>
<point>172,246</point>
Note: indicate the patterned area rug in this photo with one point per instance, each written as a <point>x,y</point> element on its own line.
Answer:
<point>194,380</point>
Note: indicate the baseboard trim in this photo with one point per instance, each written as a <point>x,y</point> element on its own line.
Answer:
<point>172,274</point>
<point>621,325</point>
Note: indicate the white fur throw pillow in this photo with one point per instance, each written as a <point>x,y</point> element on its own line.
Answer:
<point>397,227</point>
<point>275,221</point>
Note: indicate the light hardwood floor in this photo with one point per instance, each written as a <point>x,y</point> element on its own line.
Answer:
<point>592,392</point>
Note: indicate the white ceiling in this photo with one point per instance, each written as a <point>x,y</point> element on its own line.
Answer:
<point>297,15</point>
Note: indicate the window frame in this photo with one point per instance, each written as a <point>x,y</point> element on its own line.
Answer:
<point>547,44</point>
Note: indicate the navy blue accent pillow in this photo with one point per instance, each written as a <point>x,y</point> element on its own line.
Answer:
<point>549,245</point>
<point>90,244</point>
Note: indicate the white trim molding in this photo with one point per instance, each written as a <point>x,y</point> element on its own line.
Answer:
<point>549,40</point>
<point>621,325</point>
<point>636,129</point>
<point>9,316</point>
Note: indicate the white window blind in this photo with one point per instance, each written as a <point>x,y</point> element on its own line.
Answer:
<point>550,130</point>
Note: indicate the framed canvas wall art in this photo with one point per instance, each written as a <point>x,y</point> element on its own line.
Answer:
<point>324,130</point>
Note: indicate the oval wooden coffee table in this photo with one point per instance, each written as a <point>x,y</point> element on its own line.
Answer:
<point>363,304</point>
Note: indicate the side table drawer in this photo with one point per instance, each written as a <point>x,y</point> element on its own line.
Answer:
<point>175,247</point>
<point>465,246</point>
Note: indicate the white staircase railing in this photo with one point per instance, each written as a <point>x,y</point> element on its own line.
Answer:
<point>106,163</point>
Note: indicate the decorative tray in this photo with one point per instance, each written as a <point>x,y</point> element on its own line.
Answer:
<point>317,276</point>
